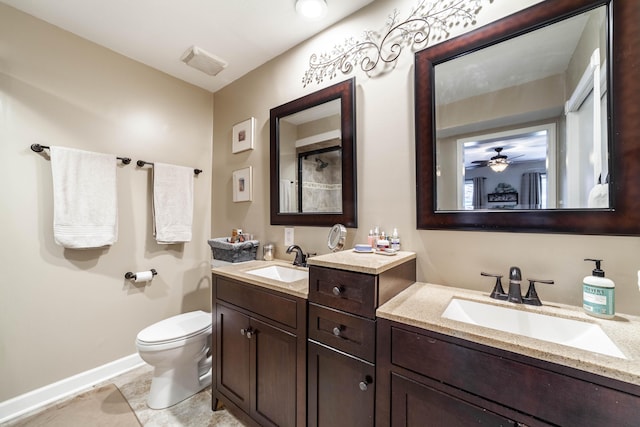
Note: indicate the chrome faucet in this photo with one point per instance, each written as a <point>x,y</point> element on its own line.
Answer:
<point>514,293</point>
<point>300,259</point>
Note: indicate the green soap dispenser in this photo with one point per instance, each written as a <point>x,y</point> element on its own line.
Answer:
<point>598,293</point>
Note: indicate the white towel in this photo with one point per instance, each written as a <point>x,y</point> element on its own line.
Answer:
<point>599,196</point>
<point>172,203</point>
<point>85,205</point>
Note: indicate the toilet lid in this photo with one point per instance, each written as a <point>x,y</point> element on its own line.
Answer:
<point>177,327</point>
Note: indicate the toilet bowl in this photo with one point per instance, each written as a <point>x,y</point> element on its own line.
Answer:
<point>179,350</point>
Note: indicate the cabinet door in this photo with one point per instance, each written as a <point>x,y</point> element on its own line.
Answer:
<point>232,351</point>
<point>273,361</point>
<point>417,405</point>
<point>341,389</point>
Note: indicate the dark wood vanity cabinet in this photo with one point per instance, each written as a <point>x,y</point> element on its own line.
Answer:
<point>260,354</point>
<point>429,379</point>
<point>341,388</point>
<point>341,375</point>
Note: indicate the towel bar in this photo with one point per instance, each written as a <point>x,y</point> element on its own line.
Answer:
<point>38,149</point>
<point>141,163</point>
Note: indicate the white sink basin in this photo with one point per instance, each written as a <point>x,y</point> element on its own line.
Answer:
<point>280,273</point>
<point>569,332</point>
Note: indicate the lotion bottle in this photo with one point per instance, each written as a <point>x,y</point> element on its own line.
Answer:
<point>371,239</point>
<point>598,293</point>
<point>395,240</point>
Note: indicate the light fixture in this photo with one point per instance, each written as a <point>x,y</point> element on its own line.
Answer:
<point>311,9</point>
<point>498,165</point>
<point>202,60</point>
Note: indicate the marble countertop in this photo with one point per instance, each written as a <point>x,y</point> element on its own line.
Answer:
<point>238,271</point>
<point>370,263</point>
<point>422,305</point>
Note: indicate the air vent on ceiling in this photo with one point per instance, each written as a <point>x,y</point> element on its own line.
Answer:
<point>204,61</point>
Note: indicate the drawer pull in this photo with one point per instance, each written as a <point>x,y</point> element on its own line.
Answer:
<point>338,330</point>
<point>364,385</point>
<point>338,290</point>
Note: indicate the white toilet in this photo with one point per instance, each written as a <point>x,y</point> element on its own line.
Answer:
<point>179,350</point>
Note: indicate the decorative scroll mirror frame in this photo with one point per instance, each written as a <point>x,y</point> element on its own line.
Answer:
<point>624,126</point>
<point>345,91</point>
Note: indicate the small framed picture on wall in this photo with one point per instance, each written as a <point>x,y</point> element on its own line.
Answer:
<point>242,185</point>
<point>243,135</point>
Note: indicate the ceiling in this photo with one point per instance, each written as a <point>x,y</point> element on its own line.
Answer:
<point>244,33</point>
<point>530,57</point>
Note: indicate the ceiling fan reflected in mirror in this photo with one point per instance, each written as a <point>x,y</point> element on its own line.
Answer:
<point>497,163</point>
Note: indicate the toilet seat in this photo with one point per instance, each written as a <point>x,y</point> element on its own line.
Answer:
<point>177,328</point>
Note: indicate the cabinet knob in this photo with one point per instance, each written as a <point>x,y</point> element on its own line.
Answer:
<point>249,334</point>
<point>338,330</point>
<point>364,385</point>
<point>338,290</point>
<point>243,332</point>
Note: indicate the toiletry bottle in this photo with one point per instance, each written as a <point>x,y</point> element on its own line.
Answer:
<point>371,239</point>
<point>598,293</point>
<point>374,237</point>
<point>383,243</point>
<point>395,240</point>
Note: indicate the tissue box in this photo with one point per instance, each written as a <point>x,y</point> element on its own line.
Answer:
<point>233,252</point>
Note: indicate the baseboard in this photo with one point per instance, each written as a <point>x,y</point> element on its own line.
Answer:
<point>27,402</point>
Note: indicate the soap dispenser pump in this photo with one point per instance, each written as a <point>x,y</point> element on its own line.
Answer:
<point>598,293</point>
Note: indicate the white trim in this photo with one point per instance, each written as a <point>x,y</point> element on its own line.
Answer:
<point>321,137</point>
<point>586,84</point>
<point>34,399</point>
<point>591,84</point>
<point>460,178</point>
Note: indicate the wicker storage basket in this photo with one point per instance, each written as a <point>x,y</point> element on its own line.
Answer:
<point>233,252</point>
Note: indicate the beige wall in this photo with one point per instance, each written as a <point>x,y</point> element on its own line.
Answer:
<point>63,312</point>
<point>386,178</point>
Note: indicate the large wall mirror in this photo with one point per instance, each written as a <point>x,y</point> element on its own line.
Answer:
<point>528,124</point>
<point>313,159</point>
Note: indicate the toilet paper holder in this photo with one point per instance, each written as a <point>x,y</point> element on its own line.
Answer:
<point>133,276</point>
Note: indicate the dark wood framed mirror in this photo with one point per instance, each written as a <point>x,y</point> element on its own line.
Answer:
<point>619,68</point>
<point>313,159</point>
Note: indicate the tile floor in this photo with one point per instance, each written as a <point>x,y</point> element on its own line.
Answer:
<point>192,412</point>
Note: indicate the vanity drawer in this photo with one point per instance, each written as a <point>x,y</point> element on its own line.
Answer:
<point>344,290</point>
<point>273,306</point>
<point>552,396</point>
<point>352,334</point>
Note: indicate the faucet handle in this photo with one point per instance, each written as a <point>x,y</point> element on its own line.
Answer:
<point>498,292</point>
<point>531,297</point>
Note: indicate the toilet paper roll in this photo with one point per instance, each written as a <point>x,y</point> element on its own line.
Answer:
<point>143,276</point>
